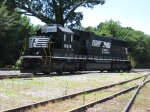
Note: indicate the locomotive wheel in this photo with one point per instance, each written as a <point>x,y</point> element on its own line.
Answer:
<point>72,71</point>
<point>46,73</point>
<point>80,68</point>
<point>118,70</point>
<point>37,70</point>
<point>111,70</point>
<point>124,70</point>
<point>60,71</point>
<point>129,68</point>
<point>22,69</point>
<point>112,67</point>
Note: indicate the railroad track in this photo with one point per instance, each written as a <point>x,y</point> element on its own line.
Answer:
<point>29,75</point>
<point>131,101</point>
<point>30,106</point>
<point>127,107</point>
<point>2,69</point>
<point>16,76</point>
<point>132,70</point>
<point>10,75</point>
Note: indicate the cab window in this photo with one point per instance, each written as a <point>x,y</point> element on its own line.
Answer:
<point>68,37</point>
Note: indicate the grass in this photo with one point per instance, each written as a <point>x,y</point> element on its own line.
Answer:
<point>86,98</point>
<point>28,91</point>
<point>142,101</point>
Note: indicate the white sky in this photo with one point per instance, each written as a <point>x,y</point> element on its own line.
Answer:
<point>131,13</point>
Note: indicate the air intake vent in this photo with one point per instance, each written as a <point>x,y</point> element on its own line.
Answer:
<point>38,42</point>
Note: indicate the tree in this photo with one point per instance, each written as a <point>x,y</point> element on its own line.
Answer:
<point>53,11</point>
<point>110,28</point>
<point>14,28</point>
<point>6,22</point>
<point>89,29</point>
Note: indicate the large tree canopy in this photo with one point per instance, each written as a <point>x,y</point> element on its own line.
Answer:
<point>13,29</point>
<point>53,11</point>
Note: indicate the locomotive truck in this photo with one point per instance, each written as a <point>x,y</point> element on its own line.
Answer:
<point>59,49</point>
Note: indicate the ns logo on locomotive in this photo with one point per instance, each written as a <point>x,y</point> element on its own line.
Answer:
<point>59,49</point>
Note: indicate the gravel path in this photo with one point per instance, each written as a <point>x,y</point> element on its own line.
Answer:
<point>10,72</point>
<point>17,72</point>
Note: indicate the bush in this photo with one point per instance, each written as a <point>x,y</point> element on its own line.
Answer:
<point>133,62</point>
<point>18,63</point>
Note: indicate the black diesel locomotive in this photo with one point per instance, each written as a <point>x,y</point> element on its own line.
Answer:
<point>59,49</point>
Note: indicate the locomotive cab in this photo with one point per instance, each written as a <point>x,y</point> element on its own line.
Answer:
<point>60,36</point>
<point>61,39</point>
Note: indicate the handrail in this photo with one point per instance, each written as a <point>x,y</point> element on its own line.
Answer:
<point>25,44</point>
<point>20,52</point>
<point>45,54</point>
<point>24,47</point>
<point>50,51</point>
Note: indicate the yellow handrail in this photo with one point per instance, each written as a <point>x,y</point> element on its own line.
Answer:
<point>45,54</point>
<point>50,52</point>
<point>20,52</point>
<point>24,46</point>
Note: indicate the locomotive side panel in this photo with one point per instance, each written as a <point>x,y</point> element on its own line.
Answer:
<point>121,48</point>
<point>101,46</point>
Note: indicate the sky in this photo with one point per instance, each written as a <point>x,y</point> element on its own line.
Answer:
<point>131,13</point>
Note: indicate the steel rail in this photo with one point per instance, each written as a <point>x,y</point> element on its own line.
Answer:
<point>25,107</point>
<point>131,101</point>
<point>30,75</point>
<point>15,76</point>
<point>85,107</point>
<point>2,69</point>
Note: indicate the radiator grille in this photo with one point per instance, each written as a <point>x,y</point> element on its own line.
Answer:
<point>38,41</point>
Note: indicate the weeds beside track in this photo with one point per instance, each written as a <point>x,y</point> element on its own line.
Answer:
<point>65,97</point>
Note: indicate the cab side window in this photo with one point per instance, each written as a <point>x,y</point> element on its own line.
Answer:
<point>68,37</point>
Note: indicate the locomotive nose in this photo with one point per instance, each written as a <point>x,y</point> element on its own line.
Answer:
<point>38,42</point>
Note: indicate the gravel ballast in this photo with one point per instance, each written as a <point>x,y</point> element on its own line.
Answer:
<point>19,92</point>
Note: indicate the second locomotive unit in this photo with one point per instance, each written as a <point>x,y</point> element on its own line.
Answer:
<point>59,49</point>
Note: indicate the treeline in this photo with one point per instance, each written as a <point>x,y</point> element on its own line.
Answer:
<point>138,41</point>
<point>14,28</point>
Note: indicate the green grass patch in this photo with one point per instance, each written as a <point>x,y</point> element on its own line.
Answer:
<point>44,88</point>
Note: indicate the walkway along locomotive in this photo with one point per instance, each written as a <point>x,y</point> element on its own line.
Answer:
<point>59,49</point>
